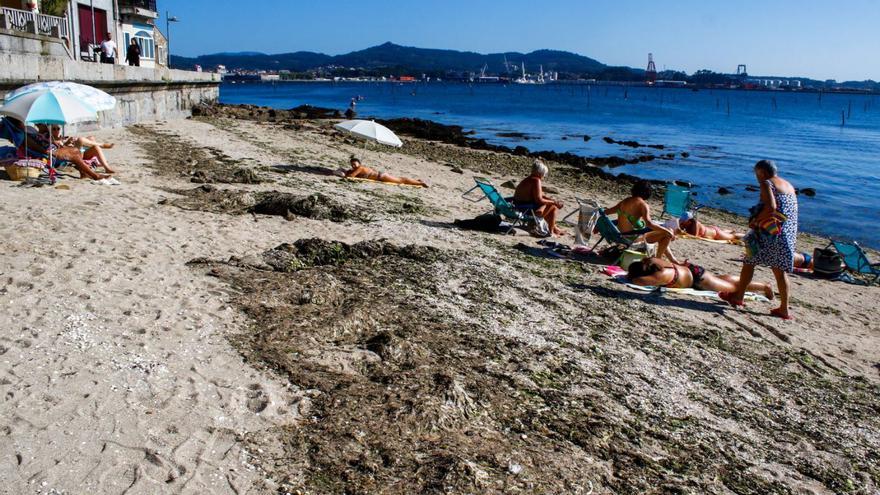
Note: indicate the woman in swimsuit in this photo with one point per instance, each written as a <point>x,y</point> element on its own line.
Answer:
<point>358,171</point>
<point>687,223</point>
<point>530,192</point>
<point>655,272</point>
<point>88,146</point>
<point>39,144</point>
<point>633,213</point>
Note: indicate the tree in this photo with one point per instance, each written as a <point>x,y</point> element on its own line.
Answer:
<point>57,8</point>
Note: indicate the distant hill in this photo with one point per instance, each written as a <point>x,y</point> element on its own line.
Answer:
<point>389,55</point>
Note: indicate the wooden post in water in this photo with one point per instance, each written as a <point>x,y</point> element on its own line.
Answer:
<point>849,110</point>
<point>842,118</point>
<point>775,107</point>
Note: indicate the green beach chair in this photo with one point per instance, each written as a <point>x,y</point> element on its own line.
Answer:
<point>518,216</point>
<point>856,259</point>
<point>609,232</point>
<point>678,200</point>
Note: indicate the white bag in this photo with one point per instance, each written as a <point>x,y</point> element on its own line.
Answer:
<point>587,218</point>
<point>540,227</point>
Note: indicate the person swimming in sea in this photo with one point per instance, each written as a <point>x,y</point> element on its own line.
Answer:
<point>655,272</point>
<point>359,171</point>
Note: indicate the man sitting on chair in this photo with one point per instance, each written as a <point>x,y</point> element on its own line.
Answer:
<point>529,192</point>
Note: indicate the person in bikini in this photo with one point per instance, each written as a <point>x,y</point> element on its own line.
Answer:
<point>530,193</point>
<point>90,148</point>
<point>690,225</point>
<point>655,272</point>
<point>634,214</point>
<point>39,143</point>
<point>359,171</point>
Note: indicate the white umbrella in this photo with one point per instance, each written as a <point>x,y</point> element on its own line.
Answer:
<point>48,106</point>
<point>371,131</point>
<point>93,97</point>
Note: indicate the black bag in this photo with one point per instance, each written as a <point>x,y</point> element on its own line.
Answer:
<point>827,263</point>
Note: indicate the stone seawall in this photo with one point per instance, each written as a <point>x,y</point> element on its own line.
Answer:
<point>142,94</point>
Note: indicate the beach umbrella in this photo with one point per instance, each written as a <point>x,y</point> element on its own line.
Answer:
<point>93,97</point>
<point>370,131</point>
<point>48,106</point>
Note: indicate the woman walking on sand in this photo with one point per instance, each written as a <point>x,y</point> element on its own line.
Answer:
<point>773,238</point>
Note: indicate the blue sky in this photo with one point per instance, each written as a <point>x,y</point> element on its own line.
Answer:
<point>819,39</point>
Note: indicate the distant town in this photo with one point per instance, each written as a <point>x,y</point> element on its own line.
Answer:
<point>385,63</point>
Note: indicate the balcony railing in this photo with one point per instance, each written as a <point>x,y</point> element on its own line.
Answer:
<point>29,22</point>
<point>139,4</point>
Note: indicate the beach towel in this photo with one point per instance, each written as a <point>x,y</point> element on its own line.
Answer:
<point>359,179</point>
<point>619,275</point>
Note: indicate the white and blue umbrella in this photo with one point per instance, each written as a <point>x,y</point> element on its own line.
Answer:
<point>95,98</point>
<point>49,106</point>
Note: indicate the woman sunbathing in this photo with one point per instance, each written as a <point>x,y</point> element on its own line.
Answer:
<point>39,144</point>
<point>655,272</point>
<point>88,146</point>
<point>634,214</point>
<point>358,171</point>
<point>530,193</point>
<point>690,225</point>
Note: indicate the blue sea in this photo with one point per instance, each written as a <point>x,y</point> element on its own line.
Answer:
<point>724,131</point>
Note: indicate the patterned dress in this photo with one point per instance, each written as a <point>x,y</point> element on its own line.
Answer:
<point>776,251</point>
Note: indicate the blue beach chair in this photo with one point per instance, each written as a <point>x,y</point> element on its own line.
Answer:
<point>609,232</point>
<point>856,259</point>
<point>517,215</point>
<point>678,200</point>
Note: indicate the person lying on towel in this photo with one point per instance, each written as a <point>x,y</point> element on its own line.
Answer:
<point>359,171</point>
<point>690,225</point>
<point>655,272</point>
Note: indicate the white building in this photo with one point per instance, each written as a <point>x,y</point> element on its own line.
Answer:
<point>81,25</point>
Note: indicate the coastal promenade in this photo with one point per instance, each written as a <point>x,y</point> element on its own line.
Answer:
<point>232,319</point>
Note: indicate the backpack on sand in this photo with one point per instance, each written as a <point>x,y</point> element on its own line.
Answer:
<point>827,263</point>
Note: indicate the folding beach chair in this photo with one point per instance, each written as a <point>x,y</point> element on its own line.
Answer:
<point>609,232</point>
<point>518,216</point>
<point>856,259</point>
<point>678,200</point>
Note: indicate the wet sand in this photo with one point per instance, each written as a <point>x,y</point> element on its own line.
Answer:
<point>162,336</point>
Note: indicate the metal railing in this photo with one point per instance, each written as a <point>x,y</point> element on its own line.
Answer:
<point>29,22</point>
<point>139,4</point>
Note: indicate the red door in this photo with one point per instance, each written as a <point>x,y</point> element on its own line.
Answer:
<point>91,28</point>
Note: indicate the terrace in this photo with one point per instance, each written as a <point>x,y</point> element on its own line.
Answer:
<point>29,22</point>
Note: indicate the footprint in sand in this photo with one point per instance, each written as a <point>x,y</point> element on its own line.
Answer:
<point>257,401</point>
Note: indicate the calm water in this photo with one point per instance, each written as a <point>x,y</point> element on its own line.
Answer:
<point>802,132</point>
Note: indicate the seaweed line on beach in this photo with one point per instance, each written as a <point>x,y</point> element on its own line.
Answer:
<point>428,377</point>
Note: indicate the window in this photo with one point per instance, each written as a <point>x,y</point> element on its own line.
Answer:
<point>145,40</point>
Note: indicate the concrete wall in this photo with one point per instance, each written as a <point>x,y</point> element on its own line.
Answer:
<point>142,94</point>
<point>32,44</point>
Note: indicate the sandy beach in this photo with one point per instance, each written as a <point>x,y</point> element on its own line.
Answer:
<point>161,337</point>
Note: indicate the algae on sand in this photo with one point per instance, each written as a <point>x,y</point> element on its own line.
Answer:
<point>418,389</point>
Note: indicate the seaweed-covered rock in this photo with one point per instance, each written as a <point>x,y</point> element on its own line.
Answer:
<point>306,253</point>
<point>315,206</point>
